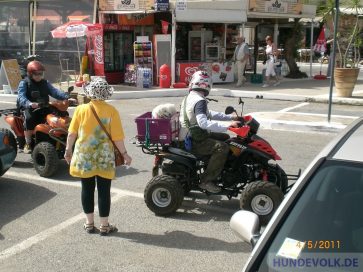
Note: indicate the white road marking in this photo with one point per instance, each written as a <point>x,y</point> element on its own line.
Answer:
<point>8,102</point>
<point>27,243</point>
<point>294,107</point>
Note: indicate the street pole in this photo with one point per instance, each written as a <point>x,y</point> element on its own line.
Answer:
<point>333,58</point>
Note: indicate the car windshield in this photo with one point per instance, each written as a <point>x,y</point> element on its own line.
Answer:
<point>324,229</point>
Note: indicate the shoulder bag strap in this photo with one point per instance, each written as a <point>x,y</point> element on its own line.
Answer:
<point>102,126</point>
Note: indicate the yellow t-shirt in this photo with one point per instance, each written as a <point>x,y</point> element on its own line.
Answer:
<point>93,152</point>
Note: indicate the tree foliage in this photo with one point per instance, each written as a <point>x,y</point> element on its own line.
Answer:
<point>292,43</point>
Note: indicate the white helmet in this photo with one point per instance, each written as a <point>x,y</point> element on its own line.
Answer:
<point>201,81</point>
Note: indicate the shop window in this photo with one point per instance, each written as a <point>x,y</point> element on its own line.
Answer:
<point>14,30</point>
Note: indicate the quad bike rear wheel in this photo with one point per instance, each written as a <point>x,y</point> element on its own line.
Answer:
<point>163,195</point>
<point>278,176</point>
<point>12,140</point>
<point>45,159</point>
<point>262,198</point>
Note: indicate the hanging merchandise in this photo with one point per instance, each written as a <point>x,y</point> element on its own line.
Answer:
<point>130,74</point>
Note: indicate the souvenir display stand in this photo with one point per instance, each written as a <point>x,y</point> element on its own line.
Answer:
<point>130,74</point>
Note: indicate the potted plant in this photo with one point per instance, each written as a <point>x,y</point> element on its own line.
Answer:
<point>348,42</point>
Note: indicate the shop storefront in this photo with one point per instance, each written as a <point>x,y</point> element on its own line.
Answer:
<point>129,40</point>
<point>205,37</point>
<point>25,29</point>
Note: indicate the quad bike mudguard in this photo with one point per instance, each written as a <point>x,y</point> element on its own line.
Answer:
<point>16,123</point>
<point>179,159</point>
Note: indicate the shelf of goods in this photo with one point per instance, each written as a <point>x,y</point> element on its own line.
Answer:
<point>212,51</point>
<point>143,60</point>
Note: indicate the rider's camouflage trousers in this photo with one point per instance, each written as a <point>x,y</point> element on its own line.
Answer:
<point>216,147</point>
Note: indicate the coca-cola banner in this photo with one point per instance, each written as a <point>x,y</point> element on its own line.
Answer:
<point>98,58</point>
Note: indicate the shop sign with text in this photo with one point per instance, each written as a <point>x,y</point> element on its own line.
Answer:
<point>181,5</point>
<point>126,4</point>
<point>161,5</point>
<point>276,6</point>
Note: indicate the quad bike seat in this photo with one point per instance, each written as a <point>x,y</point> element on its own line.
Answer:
<point>186,154</point>
<point>181,152</point>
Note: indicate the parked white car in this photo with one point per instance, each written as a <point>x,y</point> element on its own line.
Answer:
<point>319,224</point>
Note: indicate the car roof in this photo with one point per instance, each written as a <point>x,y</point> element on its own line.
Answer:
<point>345,146</point>
<point>349,148</point>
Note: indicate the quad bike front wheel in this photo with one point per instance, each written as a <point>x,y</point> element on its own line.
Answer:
<point>45,159</point>
<point>262,198</point>
<point>163,195</point>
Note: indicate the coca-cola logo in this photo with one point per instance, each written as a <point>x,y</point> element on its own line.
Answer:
<point>190,70</point>
<point>163,77</point>
<point>99,49</point>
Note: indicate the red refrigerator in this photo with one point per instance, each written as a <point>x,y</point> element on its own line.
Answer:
<point>109,51</point>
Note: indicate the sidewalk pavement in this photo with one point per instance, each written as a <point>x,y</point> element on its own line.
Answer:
<point>299,90</point>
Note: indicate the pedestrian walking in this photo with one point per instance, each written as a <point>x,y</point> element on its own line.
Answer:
<point>271,54</point>
<point>240,57</point>
<point>93,159</point>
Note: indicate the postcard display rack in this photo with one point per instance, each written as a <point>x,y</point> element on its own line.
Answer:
<point>143,59</point>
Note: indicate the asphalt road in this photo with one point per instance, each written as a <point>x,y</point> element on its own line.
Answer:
<point>41,219</point>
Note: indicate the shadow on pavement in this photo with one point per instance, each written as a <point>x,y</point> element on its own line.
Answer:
<point>184,240</point>
<point>18,198</point>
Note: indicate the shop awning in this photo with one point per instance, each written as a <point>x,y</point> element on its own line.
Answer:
<point>211,16</point>
<point>218,11</point>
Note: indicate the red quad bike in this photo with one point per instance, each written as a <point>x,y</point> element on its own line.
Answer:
<point>250,170</point>
<point>49,137</point>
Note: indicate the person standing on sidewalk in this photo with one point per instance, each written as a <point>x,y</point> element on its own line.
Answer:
<point>271,54</point>
<point>240,57</point>
<point>93,157</point>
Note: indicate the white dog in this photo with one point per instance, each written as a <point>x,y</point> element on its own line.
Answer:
<point>164,111</point>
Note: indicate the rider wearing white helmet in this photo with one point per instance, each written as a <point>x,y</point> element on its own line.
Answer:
<point>206,133</point>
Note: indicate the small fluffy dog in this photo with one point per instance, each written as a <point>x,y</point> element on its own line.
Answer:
<point>164,111</point>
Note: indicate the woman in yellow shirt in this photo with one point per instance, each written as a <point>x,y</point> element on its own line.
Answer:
<point>93,157</point>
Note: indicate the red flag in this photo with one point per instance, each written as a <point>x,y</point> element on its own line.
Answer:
<point>164,27</point>
<point>320,45</point>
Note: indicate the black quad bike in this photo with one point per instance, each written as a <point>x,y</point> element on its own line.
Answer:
<point>250,170</point>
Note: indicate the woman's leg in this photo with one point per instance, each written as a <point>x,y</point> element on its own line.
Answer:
<point>104,199</point>
<point>104,205</point>
<point>87,198</point>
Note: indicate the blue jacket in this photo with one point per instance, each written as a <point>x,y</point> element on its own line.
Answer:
<point>44,87</point>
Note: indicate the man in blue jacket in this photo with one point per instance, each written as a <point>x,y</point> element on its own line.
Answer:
<point>33,91</point>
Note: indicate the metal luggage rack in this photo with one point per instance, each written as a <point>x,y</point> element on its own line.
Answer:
<point>151,149</point>
<point>292,178</point>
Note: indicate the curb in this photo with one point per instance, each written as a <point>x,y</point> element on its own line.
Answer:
<point>119,94</point>
<point>292,121</point>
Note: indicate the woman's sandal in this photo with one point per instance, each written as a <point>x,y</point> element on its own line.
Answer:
<point>105,230</point>
<point>89,228</point>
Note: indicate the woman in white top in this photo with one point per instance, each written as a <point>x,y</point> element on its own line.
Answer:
<point>271,53</point>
